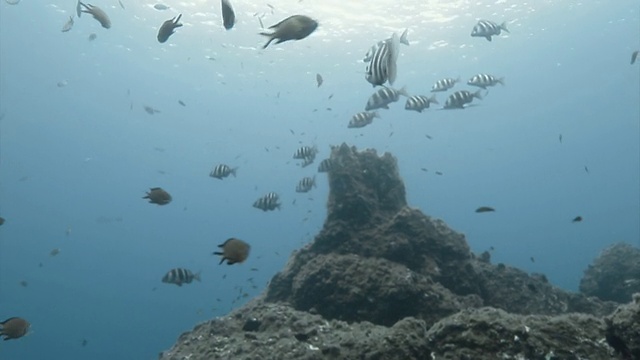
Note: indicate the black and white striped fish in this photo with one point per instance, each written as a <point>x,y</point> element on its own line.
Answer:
<point>444,84</point>
<point>383,97</point>
<point>487,29</point>
<point>222,171</point>
<point>180,276</point>
<point>307,154</point>
<point>374,48</point>
<point>460,98</point>
<point>362,119</point>
<point>306,184</point>
<point>325,165</point>
<point>419,102</point>
<point>383,64</point>
<point>484,80</point>
<point>268,202</point>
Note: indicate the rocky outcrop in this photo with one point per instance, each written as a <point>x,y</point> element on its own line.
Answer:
<point>614,275</point>
<point>382,280</point>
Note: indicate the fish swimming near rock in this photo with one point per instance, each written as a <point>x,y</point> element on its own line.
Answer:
<point>158,196</point>
<point>362,119</point>
<point>306,184</point>
<point>487,29</point>
<point>383,64</point>
<point>97,14</point>
<point>180,276</point>
<point>483,209</point>
<point>168,28</point>
<point>68,25</point>
<point>460,98</point>
<point>484,80</point>
<point>325,165</point>
<point>228,15</point>
<point>14,328</point>
<point>222,171</point>
<point>419,102</point>
<point>444,84</point>
<point>268,202</point>
<point>306,153</point>
<point>383,97</point>
<point>233,251</point>
<point>296,27</point>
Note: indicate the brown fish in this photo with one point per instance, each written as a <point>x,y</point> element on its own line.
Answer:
<point>482,209</point>
<point>158,196</point>
<point>319,80</point>
<point>168,28</point>
<point>634,56</point>
<point>577,219</point>
<point>296,27</point>
<point>14,328</point>
<point>97,14</point>
<point>234,251</point>
<point>1,220</point>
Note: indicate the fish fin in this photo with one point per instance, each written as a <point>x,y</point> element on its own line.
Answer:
<point>478,94</point>
<point>403,91</point>
<point>392,67</point>
<point>403,37</point>
<point>177,20</point>
<point>488,37</point>
<point>222,260</point>
<point>197,275</point>
<point>503,26</point>
<point>233,171</point>
<point>271,38</point>
<point>501,81</point>
<point>376,115</point>
<point>433,100</point>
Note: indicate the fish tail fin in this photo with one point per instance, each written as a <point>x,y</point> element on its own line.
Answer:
<point>403,37</point>
<point>234,171</point>
<point>458,79</point>
<point>501,81</point>
<point>271,38</point>
<point>433,99</point>
<point>478,94</point>
<point>403,91</point>
<point>376,114</point>
<point>197,275</point>
<point>313,181</point>
<point>503,26</point>
<point>488,37</point>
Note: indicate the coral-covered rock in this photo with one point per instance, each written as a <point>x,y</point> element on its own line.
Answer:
<point>614,275</point>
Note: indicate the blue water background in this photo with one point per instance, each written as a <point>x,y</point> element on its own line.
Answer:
<point>75,160</point>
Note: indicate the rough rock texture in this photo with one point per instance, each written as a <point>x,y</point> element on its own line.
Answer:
<point>384,281</point>
<point>614,275</point>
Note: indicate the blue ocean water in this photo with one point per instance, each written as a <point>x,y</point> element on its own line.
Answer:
<point>78,151</point>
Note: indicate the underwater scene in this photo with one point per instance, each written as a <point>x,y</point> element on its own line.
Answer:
<point>305,179</point>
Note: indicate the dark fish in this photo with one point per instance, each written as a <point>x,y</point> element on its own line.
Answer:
<point>532,259</point>
<point>383,97</point>
<point>319,79</point>
<point>382,67</point>
<point>577,219</point>
<point>97,14</point>
<point>484,80</point>
<point>121,4</point>
<point>560,138</point>
<point>181,103</point>
<point>150,110</point>
<point>268,202</point>
<point>78,9</point>
<point>586,169</point>
<point>222,171</point>
<point>168,28</point>
<point>444,84</point>
<point>460,98</point>
<point>92,36</point>
<point>487,29</point>
<point>419,102</point>
<point>54,252</point>
<point>634,56</point>
<point>2,220</point>
<point>234,251</point>
<point>180,276</point>
<point>482,209</point>
<point>325,165</point>
<point>306,184</point>
<point>296,27</point>
<point>438,173</point>
<point>228,16</point>
<point>160,7</point>
<point>24,283</point>
<point>158,196</point>
<point>14,328</point>
<point>362,119</point>
<point>84,342</point>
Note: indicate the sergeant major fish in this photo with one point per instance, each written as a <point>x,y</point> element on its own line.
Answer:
<point>97,14</point>
<point>306,153</point>
<point>222,171</point>
<point>180,276</point>
<point>374,48</point>
<point>383,64</point>
<point>419,102</point>
<point>168,28</point>
<point>460,98</point>
<point>306,184</point>
<point>325,165</point>
<point>484,80</point>
<point>268,202</point>
<point>487,29</point>
<point>383,97</point>
<point>362,119</point>
<point>444,84</point>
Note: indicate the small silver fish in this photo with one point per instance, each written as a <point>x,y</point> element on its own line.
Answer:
<point>68,25</point>
<point>160,7</point>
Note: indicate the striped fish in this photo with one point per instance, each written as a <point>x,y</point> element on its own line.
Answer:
<point>362,119</point>
<point>325,165</point>
<point>383,97</point>
<point>306,184</point>
<point>444,84</point>
<point>459,99</point>
<point>487,29</point>
<point>419,102</point>
<point>484,80</point>
<point>180,276</point>
<point>374,48</point>
<point>222,171</point>
<point>383,64</point>
<point>307,154</point>
<point>268,202</point>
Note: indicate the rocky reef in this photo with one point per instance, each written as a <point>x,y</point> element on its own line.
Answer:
<point>382,280</point>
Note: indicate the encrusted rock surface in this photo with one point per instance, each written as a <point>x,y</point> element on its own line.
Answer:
<point>614,275</point>
<point>384,281</point>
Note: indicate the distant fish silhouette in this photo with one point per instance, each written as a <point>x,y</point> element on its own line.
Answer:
<point>634,56</point>
<point>577,219</point>
<point>482,209</point>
